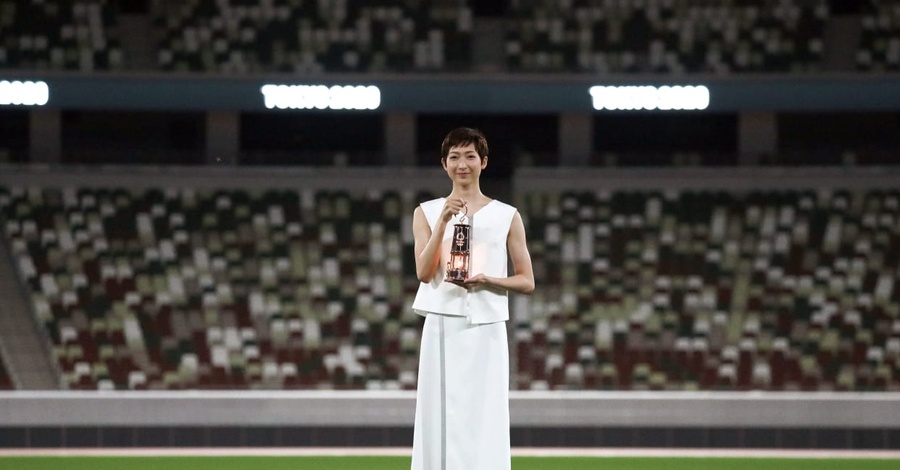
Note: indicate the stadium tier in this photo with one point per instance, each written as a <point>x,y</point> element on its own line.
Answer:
<point>314,37</point>
<point>337,36</point>
<point>75,35</point>
<point>184,289</point>
<point>665,36</point>
<point>691,290</point>
<point>639,290</point>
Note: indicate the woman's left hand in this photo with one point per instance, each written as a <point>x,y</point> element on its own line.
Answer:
<point>477,280</point>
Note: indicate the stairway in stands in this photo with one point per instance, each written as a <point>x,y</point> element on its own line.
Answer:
<point>20,338</point>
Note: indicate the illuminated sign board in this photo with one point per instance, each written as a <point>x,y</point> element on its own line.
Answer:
<point>414,93</point>
<point>321,97</point>
<point>23,93</point>
<point>634,98</point>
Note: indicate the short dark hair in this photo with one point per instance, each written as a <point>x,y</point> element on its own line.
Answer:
<point>465,136</point>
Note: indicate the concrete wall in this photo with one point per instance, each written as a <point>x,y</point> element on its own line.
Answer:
<point>363,418</point>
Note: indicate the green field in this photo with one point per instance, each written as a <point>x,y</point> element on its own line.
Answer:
<point>385,463</point>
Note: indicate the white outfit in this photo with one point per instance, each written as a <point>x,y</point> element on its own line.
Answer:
<point>462,398</point>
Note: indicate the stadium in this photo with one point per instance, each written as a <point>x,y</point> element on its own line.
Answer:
<point>206,247</point>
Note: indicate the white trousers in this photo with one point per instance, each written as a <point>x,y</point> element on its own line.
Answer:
<point>462,399</point>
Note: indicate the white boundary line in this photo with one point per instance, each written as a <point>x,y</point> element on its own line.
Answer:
<point>404,451</point>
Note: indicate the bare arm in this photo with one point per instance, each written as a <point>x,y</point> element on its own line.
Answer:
<point>428,243</point>
<point>522,280</point>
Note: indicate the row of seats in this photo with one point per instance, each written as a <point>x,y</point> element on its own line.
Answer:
<point>235,36</point>
<point>781,290</point>
<point>678,290</point>
<point>665,36</point>
<point>38,34</point>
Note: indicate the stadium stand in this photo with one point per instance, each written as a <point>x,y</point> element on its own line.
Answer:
<point>226,289</point>
<point>665,36</point>
<point>41,35</point>
<point>235,36</point>
<point>607,36</point>
<point>314,37</point>
<point>640,290</point>
<point>879,47</point>
<point>691,290</point>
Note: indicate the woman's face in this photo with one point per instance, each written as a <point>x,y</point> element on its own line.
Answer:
<point>463,164</point>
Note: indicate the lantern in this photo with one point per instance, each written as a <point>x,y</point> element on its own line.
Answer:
<point>458,265</point>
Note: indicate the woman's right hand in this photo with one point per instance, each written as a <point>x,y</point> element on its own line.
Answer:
<point>452,207</point>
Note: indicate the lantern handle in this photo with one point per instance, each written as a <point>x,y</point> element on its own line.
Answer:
<point>465,212</point>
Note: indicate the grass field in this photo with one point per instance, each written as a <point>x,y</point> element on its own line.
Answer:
<point>398,462</point>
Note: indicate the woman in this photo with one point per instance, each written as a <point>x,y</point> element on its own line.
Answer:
<point>462,399</point>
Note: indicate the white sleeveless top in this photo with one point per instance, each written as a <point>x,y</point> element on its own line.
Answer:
<point>480,304</point>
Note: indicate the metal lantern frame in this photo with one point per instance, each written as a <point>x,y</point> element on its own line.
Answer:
<point>460,252</point>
